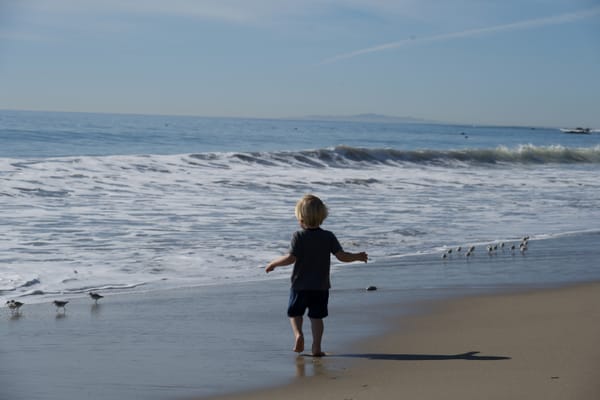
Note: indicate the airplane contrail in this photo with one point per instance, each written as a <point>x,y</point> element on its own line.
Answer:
<point>528,24</point>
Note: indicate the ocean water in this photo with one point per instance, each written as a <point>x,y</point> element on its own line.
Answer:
<point>128,203</point>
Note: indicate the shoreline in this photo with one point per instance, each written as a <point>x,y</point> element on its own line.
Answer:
<point>203,341</point>
<point>535,344</point>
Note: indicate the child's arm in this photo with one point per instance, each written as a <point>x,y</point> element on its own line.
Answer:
<point>280,262</point>
<point>349,257</point>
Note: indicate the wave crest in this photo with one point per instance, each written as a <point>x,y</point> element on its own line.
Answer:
<point>347,156</point>
<point>526,154</point>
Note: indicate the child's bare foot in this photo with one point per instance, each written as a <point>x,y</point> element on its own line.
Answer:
<point>317,352</point>
<point>299,345</point>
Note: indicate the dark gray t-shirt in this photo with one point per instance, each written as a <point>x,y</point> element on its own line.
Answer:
<point>312,249</point>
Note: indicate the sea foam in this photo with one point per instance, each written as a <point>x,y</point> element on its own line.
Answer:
<point>72,224</point>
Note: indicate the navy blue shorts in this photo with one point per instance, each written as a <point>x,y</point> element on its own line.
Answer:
<point>315,300</point>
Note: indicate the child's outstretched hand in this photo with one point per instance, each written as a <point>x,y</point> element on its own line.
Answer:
<point>350,257</point>
<point>362,256</point>
<point>269,268</point>
<point>280,262</point>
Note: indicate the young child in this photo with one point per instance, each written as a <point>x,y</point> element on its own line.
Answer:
<point>310,251</point>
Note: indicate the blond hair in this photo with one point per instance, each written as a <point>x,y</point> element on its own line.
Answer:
<point>311,211</point>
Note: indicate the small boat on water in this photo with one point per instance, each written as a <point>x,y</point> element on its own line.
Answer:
<point>579,130</point>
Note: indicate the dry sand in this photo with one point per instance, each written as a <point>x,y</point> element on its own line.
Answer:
<point>541,345</point>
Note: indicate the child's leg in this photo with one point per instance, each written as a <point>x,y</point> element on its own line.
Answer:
<point>297,328</point>
<point>317,327</point>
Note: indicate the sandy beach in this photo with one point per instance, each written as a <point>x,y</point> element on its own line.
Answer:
<point>492,326</point>
<point>539,344</point>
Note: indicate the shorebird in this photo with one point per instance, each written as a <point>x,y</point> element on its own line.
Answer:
<point>523,248</point>
<point>60,304</point>
<point>458,248</point>
<point>471,249</point>
<point>96,296</point>
<point>14,306</point>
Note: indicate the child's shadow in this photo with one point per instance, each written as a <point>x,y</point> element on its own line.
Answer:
<point>471,355</point>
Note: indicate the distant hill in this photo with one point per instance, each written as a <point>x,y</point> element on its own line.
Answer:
<point>367,117</point>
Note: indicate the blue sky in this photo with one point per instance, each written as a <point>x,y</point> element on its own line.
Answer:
<point>528,62</point>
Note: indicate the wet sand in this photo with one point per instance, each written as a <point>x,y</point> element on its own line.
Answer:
<point>538,344</point>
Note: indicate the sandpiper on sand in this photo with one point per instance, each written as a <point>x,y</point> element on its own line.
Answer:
<point>14,305</point>
<point>96,296</point>
<point>60,304</point>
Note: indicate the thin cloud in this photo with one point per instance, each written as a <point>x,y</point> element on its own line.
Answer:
<point>521,25</point>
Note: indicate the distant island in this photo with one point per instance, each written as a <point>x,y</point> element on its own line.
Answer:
<point>367,117</point>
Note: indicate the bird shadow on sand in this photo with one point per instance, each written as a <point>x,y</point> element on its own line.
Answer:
<point>470,356</point>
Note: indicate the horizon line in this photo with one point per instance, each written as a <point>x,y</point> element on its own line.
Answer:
<point>313,117</point>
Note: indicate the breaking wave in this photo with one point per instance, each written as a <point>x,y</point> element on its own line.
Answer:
<point>346,156</point>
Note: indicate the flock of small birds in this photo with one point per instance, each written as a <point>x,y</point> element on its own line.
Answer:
<point>15,306</point>
<point>491,249</point>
